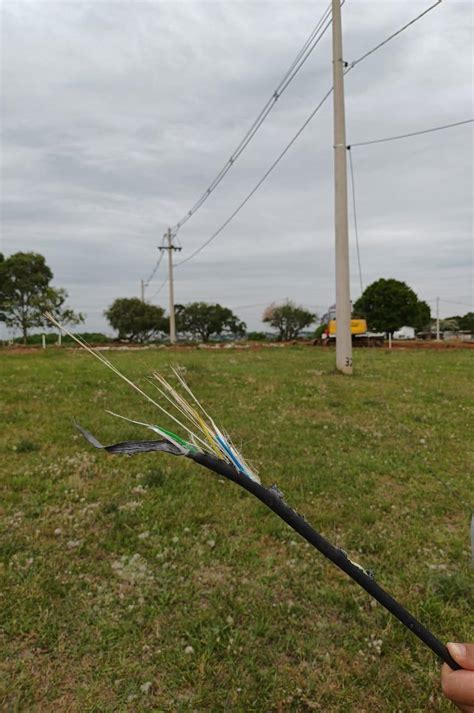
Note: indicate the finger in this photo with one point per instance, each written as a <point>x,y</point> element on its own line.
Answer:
<point>465,709</point>
<point>458,686</point>
<point>463,654</point>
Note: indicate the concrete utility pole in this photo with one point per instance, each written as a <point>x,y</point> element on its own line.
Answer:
<point>437,320</point>
<point>170,248</point>
<point>142,290</point>
<point>343,299</point>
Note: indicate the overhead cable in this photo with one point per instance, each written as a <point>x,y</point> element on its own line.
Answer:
<point>159,289</point>
<point>452,302</point>
<point>295,137</point>
<point>356,230</point>
<point>260,182</point>
<point>155,269</point>
<point>412,133</point>
<point>308,47</point>
<point>258,304</point>
<point>395,34</point>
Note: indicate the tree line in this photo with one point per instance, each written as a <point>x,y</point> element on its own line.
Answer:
<point>26,294</point>
<point>135,320</point>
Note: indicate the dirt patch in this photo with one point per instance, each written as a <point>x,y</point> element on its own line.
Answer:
<point>209,577</point>
<point>421,344</point>
<point>241,346</point>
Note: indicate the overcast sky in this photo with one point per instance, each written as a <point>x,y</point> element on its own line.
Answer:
<point>117,115</point>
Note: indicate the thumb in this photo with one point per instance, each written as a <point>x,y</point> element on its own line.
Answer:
<point>463,654</point>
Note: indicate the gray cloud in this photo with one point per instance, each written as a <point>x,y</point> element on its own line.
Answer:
<point>118,114</point>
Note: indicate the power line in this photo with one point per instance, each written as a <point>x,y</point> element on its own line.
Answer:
<point>258,304</point>
<point>265,304</point>
<point>295,137</point>
<point>452,302</point>
<point>159,289</point>
<point>463,304</point>
<point>395,34</point>
<point>412,133</point>
<point>356,231</point>
<point>260,182</point>
<point>155,269</point>
<point>313,40</point>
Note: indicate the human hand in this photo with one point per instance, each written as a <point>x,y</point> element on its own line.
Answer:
<point>458,686</point>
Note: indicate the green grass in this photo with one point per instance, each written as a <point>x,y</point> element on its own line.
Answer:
<point>112,567</point>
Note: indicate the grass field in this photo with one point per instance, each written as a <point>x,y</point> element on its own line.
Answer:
<point>146,583</point>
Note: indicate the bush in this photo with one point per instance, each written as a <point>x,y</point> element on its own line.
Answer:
<point>320,331</point>
<point>89,337</point>
<point>26,446</point>
<point>256,336</point>
<point>288,319</point>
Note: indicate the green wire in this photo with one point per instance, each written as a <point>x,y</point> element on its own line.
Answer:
<point>180,440</point>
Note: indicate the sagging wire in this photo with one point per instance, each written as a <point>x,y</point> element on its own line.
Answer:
<point>260,182</point>
<point>349,66</point>
<point>412,133</point>
<point>311,43</point>
<point>221,457</point>
<point>356,229</point>
<point>395,34</point>
<point>155,269</point>
<point>160,288</point>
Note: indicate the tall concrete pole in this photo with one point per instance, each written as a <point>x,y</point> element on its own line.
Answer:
<point>343,300</point>
<point>142,290</point>
<point>170,248</point>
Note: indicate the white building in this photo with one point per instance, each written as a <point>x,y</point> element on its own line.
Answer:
<point>405,333</point>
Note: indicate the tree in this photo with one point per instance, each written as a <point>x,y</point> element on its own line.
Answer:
<point>204,320</point>
<point>466,323</point>
<point>447,324</point>
<point>451,324</point>
<point>25,294</point>
<point>389,304</point>
<point>288,319</point>
<point>320,330</point>
<point>135,320</point>
<point>458,323</point>
<point>422,321</point>
<point>256,336</point>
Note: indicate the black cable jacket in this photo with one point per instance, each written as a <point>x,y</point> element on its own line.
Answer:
<point>274,500</point>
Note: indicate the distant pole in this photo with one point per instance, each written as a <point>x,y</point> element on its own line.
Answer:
<point>437,320</point>
<point>142,290</point>
<point>170,248</point>
<point>343,299</point>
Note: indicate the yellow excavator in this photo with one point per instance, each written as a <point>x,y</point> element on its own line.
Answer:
<point>361,337</point>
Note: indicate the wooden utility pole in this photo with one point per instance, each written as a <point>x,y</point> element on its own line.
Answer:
<point>170,248</point>
<point>343,300</point>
